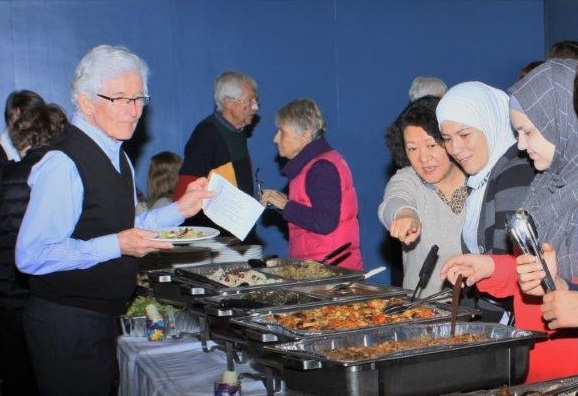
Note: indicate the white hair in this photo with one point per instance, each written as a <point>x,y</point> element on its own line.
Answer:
<point>422,86</point>
<point>230,85</point>
<point>103,63</point>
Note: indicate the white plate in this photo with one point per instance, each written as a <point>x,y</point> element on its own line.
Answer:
<point>208,233</point>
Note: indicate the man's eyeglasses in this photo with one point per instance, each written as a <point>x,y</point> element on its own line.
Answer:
<point>139,100</point>
<point>253,104</point>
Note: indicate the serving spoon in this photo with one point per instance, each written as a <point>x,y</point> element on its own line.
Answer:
<point>345,288</point>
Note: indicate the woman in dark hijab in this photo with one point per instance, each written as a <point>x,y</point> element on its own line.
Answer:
<point>542,112</point>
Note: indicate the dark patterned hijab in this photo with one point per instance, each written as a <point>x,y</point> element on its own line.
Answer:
<point>546,97</point>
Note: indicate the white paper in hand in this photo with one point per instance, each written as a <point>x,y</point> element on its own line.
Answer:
<point>231,208</point>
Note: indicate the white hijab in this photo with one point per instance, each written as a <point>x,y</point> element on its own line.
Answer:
<point>485,108</point>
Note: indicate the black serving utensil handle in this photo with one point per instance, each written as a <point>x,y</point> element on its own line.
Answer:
<point>548,282</point>
<point>335,252</point>
<point>426,269</point>
<point>338,259</point>
<point>455,304</point>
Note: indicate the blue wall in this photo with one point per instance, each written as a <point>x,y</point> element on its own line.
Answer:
<point>560,20</point>
<point>356,58</point>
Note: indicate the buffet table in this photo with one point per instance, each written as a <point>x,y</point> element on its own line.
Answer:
<point>176,368</point>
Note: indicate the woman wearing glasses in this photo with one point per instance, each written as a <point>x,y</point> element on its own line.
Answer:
<point>321,207</point>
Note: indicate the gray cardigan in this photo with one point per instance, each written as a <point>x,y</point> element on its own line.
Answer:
<point>440,225</point>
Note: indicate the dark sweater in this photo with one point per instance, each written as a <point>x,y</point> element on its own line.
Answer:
<point>14,196</point>
<point>214,144</point>
<point>108,208</point>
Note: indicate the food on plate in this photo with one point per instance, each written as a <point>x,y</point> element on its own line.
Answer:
<point>233,278</point>
<point>307,269</point>
<point>354,353</point>
<point>181,233</point>
<point>349,316</point>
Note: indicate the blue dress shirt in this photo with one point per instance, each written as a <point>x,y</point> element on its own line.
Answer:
<point>44,244</point>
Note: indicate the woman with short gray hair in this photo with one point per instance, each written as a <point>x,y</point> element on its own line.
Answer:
<point>321,207</point>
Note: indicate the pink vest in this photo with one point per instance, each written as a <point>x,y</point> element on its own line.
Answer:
<point>306,244</point>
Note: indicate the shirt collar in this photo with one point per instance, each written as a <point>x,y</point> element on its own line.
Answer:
<point>110,146</point>
<point>223,120</point>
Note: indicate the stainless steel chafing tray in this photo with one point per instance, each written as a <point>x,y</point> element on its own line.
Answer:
<point>257,333</point>
<point>196,279</point>
<point>166,286</point>
<point>502,359</point>
<point>220,309</point>
<point>567,386</point>
<point>200,276</point>
<point>306,270</point>
<point>261,323</point>
<point>358,289</point>
<point>248,302</point>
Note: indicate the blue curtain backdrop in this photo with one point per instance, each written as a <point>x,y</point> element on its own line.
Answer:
<point>355,58</point>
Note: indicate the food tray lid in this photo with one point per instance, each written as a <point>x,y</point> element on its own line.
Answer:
<point>498,335</point>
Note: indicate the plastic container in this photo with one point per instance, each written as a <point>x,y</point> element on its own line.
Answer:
<point>228,385</point>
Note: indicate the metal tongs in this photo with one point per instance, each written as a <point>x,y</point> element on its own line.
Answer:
<point>345,288</point>
<point>522,231</point>
<point>397,308</point>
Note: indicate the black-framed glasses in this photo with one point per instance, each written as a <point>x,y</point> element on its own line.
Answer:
<point>139,100</point>
<point>259,181</point>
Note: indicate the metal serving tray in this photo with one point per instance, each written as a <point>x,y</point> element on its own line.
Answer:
<point>503,359</point>
<point>257,334</point>
<point>298,270</point>
<point>219,309</point>
<point>260,321</point>
<point>194,282</point>
<point>167,287</point>
<point>199,276</point>
<point>249,302</point>
<point>567,386</point>
<point>358,289</point>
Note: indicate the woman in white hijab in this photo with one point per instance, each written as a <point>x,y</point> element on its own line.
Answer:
<point>541,111</point>
<point>475,124</point>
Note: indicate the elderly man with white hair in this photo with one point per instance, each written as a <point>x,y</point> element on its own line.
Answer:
<point>80,237</point>
<point>219,142</point>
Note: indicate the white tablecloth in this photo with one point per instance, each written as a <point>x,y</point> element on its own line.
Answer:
<point>176,368</point>
<point>132,348</point>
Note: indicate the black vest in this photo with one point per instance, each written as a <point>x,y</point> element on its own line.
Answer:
<point>14,196</point>
<point>108,208</point>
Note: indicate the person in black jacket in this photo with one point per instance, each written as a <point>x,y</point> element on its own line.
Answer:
<point>31,133</point>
